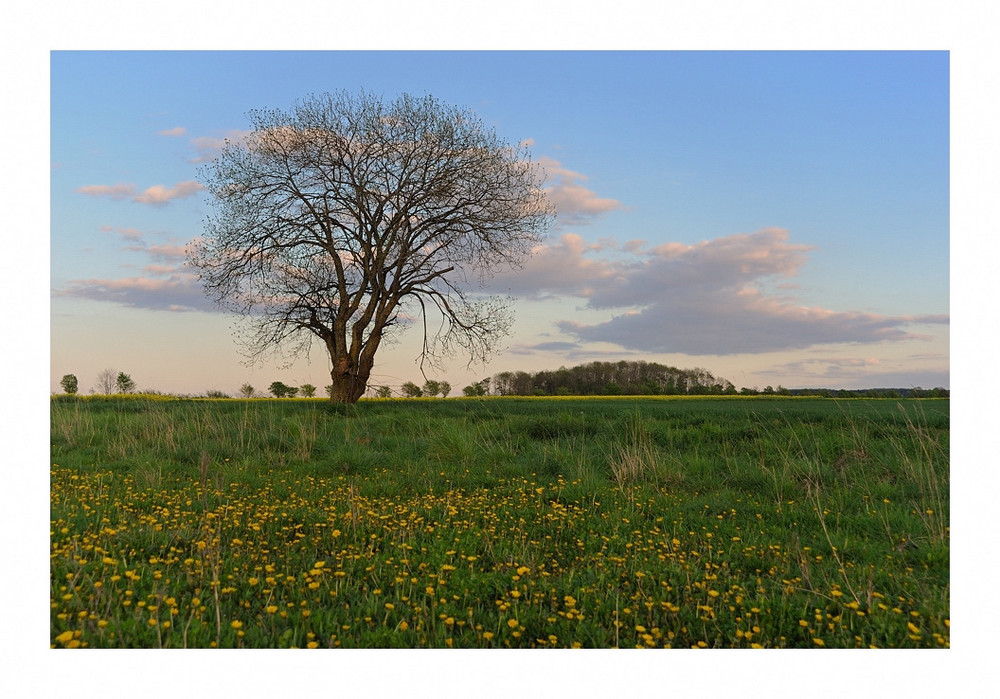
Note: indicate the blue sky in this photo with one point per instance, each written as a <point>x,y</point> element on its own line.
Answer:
<point>670,171</point>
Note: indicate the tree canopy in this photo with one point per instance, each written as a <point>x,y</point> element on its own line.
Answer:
<point>348,217</point>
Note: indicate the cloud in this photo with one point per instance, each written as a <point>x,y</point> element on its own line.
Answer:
<point>824,367</point>
<point>560,269</point>
<point>853,372</point>
<point>114,191</point>
<point>167,253</point>
<point>167,285</point>
<point>176,131</point>
<point>179,291</point>
<point>575,204</point>
<point>127,233</point>
<point>701,299</point>
<point>157,195</point>
<point>208,147</point>
<point>544,347</point>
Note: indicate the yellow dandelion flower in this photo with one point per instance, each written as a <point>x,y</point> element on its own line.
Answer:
<point>64,636</point>
<point>236,624</point>
<point>818,641</point>
<point>512,623</point>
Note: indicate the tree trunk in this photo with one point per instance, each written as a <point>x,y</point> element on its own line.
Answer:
<point>347,387</point>
<point>349,376</point>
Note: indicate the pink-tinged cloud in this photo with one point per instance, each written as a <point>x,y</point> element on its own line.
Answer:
<point>127,233</point>
<point>574,203</point>
<point>180,291</point>
<point>176,131</point>
<point>852,372</point>
<point>157,195</point>
<point>160,270</point>
<point>114,191</point>
<point>208,147</point>
<point>167,253</point>
<point>696,299</point>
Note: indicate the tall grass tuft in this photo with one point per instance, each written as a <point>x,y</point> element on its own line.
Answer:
<point>636,459</point>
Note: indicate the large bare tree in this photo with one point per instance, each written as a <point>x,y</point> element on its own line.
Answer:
<point>347,217</point>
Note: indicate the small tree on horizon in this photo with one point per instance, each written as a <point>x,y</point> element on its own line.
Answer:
<point>411,390</point>
<point>280,390</point>
<point>124,383</point>
<point>445,388</point>
<point>308,390</point>
<point>69,384</point>
<point>106,382</point>
<point>247,391</point>
<point>431,388</point>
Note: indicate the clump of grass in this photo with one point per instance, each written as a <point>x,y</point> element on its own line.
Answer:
<point>452,442</point>
<point>635,459</point>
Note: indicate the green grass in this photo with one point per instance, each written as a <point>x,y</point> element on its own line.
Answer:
<point>480,523</point>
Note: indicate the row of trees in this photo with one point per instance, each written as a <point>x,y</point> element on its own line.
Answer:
<point>604,378</point>
<point>108,381</point>
<point>595,378</point>
<point>430,389</point>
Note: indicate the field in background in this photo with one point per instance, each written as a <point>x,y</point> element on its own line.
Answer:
<point>500,522</point>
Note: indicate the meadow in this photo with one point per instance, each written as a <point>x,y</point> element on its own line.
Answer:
<point>719,522</point>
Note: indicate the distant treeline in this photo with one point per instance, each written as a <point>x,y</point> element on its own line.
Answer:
<point>641,378</point>
<point>637,378</point>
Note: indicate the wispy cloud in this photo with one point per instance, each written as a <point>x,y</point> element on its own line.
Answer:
<point>174,132</point>
<point>113,191</point>
<point>177,291</point>
<point>167,283</point>
<point>857,372</point>
<point>575,204</point>
<point>702,299</point>
<point>544,347</point>
<point>157,195</point>
<point>208,147</point>
<point>133,234</point>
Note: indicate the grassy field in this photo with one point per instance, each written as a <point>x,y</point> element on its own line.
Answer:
<point>500,522</point>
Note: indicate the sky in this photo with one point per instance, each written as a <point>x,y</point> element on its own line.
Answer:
<point>778,218</point>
